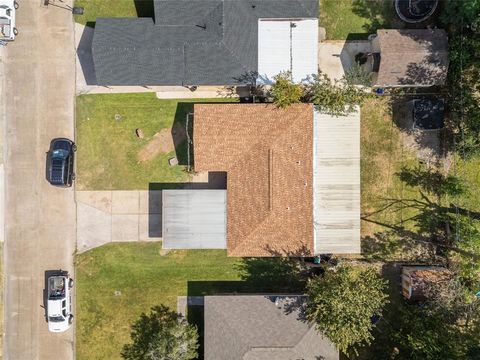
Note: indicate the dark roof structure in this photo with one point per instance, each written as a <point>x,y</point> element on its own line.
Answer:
<point>411,57</point>
<point>262,327</point>
<point>190,42</point>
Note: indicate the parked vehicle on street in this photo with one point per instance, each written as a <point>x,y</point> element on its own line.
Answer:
<point>60,162</point>
<point>59,303</point>
<point>8,31</point>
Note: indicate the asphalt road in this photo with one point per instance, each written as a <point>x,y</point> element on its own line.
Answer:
<point>39,219</point>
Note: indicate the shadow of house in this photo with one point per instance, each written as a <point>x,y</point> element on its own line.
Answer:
<point>84,53</point>
<point>180,133</point>
<point>145,8</point>
<point>350,50</point>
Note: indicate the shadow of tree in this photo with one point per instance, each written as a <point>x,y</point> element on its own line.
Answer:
<point>432,181</point>
<point>378,12</point>
<point>433,221</point>
<point>388,245</point>
<point>279,274</point>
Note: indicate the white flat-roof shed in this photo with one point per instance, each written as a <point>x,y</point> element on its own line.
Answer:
<point>287,45</point>
<point>194,219</point>
<point>336,184</point>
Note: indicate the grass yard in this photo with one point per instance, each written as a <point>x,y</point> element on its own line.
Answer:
<point>395,213</point>
<point>146,278</point>
<point>116,8</point>
<point>354,19</point>
<point>108,148</point>
<point>382,158</point>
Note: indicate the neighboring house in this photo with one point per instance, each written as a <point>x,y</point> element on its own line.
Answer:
<point>208,42</point>
<point>416,280</point>
<point>293,183</point>
<point>262,327</point>
<point>409,57</point>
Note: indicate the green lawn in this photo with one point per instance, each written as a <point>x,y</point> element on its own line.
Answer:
<point>382,158</point>
<point>396,213</point>
<point>108,8</point>
<point>146,278</point>
<point>354,19</point>
<point>108,147</point>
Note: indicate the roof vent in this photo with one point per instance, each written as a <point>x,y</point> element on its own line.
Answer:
<point>299,162</point>
<point>288,207</point>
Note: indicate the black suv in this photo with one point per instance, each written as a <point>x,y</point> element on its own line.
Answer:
<point>60,162</point>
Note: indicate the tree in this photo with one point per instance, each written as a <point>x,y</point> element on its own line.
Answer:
<point>337,98</point>
<point>342,303</point>
<point>426,333</point>
<point>358,75</point>
<point>462,13</point>
<point>162,335</point>
<point>463,100</point>
<point>284,91</point>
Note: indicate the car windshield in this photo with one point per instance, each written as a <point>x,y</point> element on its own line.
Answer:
<point>56,318</point>
<point>59,153</point>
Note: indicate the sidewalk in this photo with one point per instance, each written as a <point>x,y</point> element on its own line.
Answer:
<point>2,189</point>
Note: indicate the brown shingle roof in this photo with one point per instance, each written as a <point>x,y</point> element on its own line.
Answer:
<point>412,57</point>
<point>267,154</point>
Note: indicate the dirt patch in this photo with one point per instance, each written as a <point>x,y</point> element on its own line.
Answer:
<point>425,144</point>
<point>162,142</point>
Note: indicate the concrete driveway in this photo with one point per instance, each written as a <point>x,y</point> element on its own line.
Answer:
<point>115,216</point>
<point>40,221</point>
<point>336,57</point>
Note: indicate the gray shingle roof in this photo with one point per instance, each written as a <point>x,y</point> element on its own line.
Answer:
<point>262,327</point>
<point>191,42</point>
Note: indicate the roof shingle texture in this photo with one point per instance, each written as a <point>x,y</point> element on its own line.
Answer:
<point>267,154</point>
<point>412,57</point>
<point>191,42</point>
<point>261,327</point>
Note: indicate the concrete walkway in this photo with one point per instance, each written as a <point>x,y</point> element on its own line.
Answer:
<point>116,216</point>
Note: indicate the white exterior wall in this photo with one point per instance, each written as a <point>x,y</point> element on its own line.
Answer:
<point>282,47</point>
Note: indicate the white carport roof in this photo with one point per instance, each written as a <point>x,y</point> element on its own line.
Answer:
<point>287,45</point>
<point>194,219</point>
<point>336,183</point>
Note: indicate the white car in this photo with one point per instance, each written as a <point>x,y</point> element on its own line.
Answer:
<point>7,20</point>
<point>59,303</point>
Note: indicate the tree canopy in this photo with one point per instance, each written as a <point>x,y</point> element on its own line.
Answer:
<point>284,91</point>
<point>333,97</point>
<point>161,335</point>
<point>342,303</point>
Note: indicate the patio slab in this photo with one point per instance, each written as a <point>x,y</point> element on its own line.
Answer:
<point>336,57</point>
